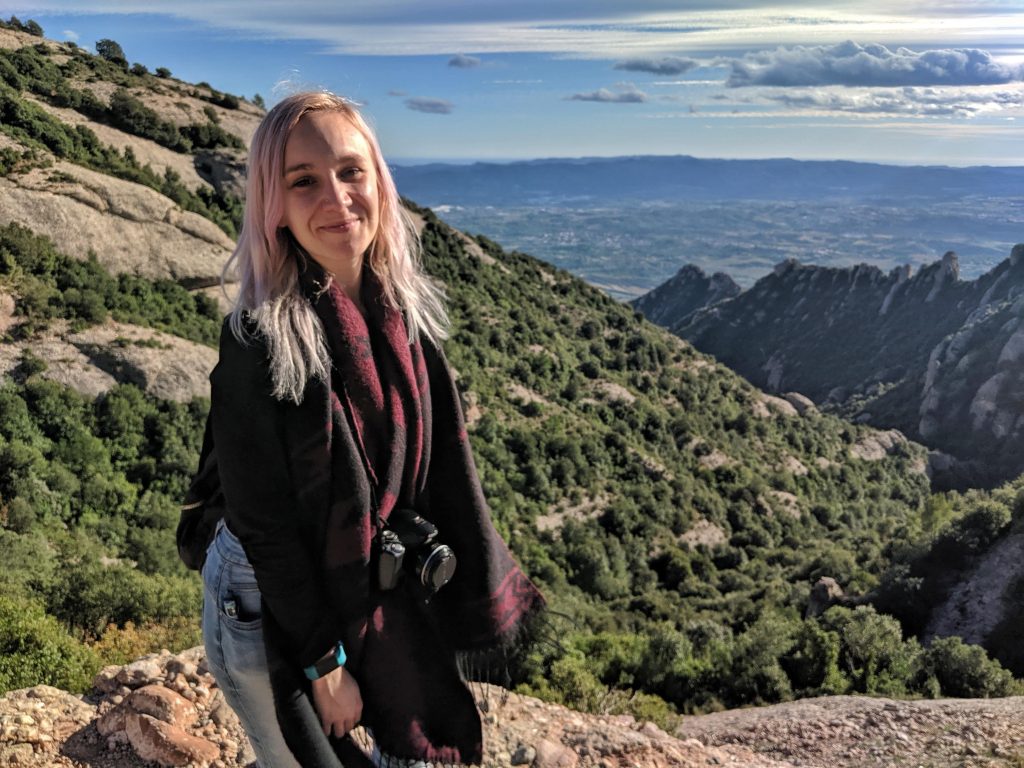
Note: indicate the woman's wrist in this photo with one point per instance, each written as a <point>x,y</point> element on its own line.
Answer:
<point>333,659</point>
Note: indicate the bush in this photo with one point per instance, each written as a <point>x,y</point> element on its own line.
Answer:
<point>813,663</point>
<point>36,650</point>
<point>966,671</point>
<point>121,645</point>
<point>873,655</point>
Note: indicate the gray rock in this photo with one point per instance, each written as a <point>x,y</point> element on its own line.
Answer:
<point>130,228</point>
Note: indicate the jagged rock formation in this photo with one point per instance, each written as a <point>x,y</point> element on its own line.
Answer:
<point>689,290</point>
<point>939,358</point>
<point>166,710</point>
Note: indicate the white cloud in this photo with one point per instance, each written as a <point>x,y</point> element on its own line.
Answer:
<point>852,64</point>
<point>430,106</point>
<point>908,101</point>
<point>624,93</point>
<point>70,34</point>
<point>666,65</point>
<point>605,29</point>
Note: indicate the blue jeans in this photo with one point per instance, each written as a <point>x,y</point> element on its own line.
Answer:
<point>233,635</point>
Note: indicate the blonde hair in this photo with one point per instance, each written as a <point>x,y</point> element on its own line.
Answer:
<point>266,260</point>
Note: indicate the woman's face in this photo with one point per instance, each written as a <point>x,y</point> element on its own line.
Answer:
<point>330,191</point>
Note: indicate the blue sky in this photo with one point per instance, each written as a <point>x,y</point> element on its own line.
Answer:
<point>903,81</point>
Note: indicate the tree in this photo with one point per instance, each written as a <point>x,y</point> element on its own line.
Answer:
<point>163,72</point>
<point>111,51</point>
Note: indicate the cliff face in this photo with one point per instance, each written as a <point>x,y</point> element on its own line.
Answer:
<point>940,358</point>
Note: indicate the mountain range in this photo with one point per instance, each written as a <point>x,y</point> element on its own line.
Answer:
<point>609,180</point>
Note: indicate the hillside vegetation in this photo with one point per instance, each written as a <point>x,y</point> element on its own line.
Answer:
<point>675,516</point>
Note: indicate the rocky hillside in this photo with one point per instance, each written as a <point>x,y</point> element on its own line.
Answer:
<point>117,161</point>
<point>687,291</point>
<point>930,354</point>
<point>166,710</point>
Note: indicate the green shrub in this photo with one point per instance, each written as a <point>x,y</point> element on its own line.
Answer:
<point>35,649</point>
<point>966,671</point>
<point>873,655</point>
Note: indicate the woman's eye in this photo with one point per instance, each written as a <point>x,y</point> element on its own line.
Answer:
<point>302,181</point>
<point>352,173</point>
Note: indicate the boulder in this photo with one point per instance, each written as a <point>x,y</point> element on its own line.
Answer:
<point>803,404</point>
<point>825,593</point>
<point>167,744</point>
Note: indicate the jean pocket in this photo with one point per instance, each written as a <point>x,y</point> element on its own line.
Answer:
<point>240,605</point>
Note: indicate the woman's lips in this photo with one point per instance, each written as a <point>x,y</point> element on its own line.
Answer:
<point>340,226</point>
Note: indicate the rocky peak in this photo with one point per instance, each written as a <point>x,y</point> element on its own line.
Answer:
<point>688,291</point>
<point>947,273</point>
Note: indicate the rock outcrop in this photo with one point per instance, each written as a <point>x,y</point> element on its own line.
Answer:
<point>130,228</point>
<point>166,710</point>
<point>94,360</point>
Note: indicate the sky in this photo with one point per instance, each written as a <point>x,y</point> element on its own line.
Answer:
<point>924,82</point>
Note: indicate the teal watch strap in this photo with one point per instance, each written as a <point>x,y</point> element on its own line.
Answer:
<point>328,663</point>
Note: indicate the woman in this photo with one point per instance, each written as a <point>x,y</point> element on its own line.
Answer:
<point>336,422</point>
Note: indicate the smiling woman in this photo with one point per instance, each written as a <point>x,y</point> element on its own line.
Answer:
<point>330,199</point>
<point>332,597</point>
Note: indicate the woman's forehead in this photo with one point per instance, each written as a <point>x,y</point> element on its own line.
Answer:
<point>324,135</point>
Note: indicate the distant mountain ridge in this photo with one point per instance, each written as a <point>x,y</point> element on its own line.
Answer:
<point>682,177</point>
<point>940,358</point>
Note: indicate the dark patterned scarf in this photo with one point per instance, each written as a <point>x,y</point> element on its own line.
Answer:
<point>397,427</point>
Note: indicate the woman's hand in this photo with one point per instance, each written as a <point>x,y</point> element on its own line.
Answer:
<point>338,702</point>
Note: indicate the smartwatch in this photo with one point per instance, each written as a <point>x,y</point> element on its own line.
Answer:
<point>328,663</point>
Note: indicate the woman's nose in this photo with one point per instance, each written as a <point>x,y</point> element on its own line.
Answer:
<point>336,193</point>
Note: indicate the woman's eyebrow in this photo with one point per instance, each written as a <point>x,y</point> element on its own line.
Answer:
<point>349,158</point>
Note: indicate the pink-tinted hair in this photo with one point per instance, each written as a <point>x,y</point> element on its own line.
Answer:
<point>265,260</point>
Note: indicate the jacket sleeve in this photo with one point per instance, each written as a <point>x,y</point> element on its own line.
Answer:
<point>262,503</point>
